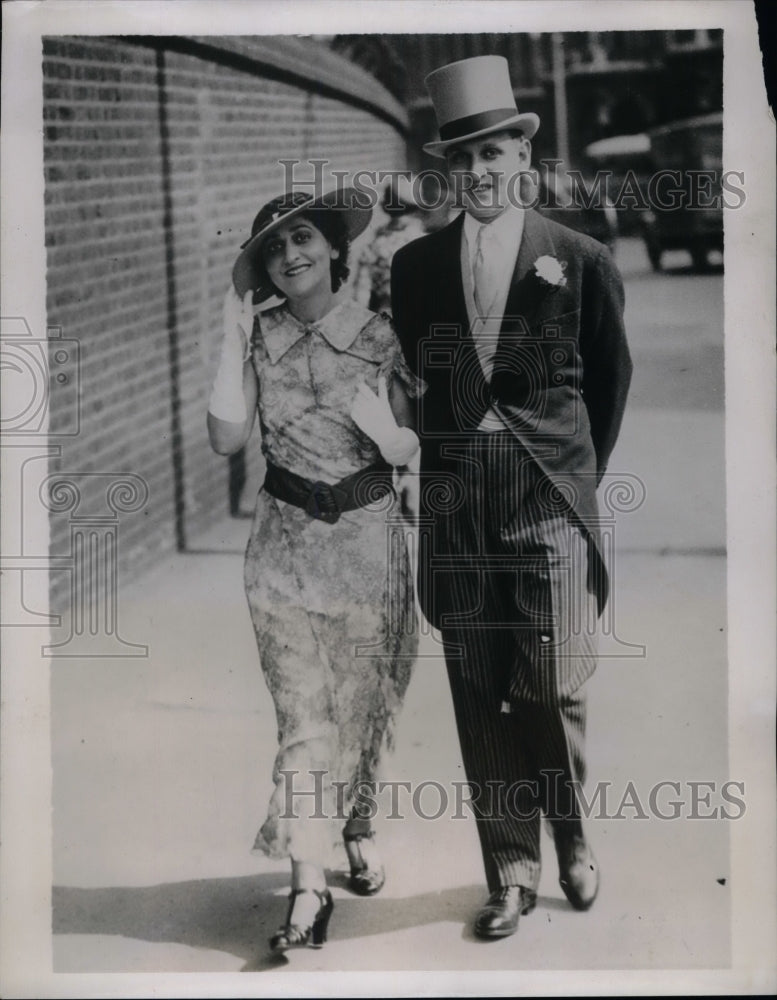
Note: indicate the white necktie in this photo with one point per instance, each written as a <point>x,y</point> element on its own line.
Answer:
<point>485,291</point>
<point>483,276</point>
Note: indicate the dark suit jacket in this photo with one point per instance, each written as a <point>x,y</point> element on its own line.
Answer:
<point>562,366</point>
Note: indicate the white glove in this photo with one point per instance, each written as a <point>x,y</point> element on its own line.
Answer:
<point>374,416</point>
<point>226,397</point>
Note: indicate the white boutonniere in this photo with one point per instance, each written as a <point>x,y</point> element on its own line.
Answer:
<point>550,271</point>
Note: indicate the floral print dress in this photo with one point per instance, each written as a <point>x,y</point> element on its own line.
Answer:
<point>332,604</point>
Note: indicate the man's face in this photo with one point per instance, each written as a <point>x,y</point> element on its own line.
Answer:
<point>484,173</point>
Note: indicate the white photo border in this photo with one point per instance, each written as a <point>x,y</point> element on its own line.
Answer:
<point>749,282</point>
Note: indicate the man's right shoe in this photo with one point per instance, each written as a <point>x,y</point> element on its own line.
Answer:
<point>499,917</point>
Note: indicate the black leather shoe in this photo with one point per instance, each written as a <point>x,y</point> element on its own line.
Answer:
<point>499,917</point>
<point>578,871</point>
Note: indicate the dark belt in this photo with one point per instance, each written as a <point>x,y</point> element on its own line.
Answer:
<point>327,501</point>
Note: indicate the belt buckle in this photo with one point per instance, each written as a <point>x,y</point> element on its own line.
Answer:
<point>322,503</point>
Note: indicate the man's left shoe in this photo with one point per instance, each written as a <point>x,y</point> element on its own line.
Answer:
<point>578,872</point>
<point>499,917</point>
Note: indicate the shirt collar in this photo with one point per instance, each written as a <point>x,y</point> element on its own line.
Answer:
<point>505,230</point>
<point>339,327</point>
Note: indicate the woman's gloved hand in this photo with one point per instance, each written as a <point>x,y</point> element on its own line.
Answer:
<point>226,398</point>
<point>373,414</point>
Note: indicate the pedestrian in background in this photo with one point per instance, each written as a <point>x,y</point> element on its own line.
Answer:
<point>331,602</point>
<point>372,280</point>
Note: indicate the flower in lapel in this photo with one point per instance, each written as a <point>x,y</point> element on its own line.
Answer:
<point>550,271</point>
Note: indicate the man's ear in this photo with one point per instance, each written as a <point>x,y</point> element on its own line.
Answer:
<point>526,149</point>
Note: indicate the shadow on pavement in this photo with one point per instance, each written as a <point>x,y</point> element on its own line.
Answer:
<point>238,915</point>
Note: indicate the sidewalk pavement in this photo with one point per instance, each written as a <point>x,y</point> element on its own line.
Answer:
<point>162,770</point>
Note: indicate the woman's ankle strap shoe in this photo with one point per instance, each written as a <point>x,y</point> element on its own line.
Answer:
<point>364,881</point>
<point>292,935</point>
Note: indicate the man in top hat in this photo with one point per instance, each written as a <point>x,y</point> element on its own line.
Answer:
<point>515,323</point>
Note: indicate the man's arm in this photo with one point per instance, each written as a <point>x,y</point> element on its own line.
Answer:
<point>607,363</point>
<point>401,306</point>
<point>408,485</point>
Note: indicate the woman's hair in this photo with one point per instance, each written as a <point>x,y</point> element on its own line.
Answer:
<point>332,227</point>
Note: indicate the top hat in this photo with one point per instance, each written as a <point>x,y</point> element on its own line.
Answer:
<point>473,97</point>
<point>247,271</point>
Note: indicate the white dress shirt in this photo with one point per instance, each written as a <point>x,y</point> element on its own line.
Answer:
<point>500,242</point>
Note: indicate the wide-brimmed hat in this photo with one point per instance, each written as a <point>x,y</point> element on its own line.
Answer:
<point>473,97</point>
<point>248,271</point>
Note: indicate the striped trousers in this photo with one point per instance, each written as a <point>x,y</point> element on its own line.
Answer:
<point>508,576</point>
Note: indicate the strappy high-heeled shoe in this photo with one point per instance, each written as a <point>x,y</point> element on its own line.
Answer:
<point>293,935</point>
<point>364,881</point>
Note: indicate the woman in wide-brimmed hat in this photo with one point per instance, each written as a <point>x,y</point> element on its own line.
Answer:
<point>330,596</point>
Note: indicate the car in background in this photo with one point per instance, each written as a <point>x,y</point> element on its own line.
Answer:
<point>557,200</point>
<point>696,224</point>
<point>675,213</point>
<point>622,163</point>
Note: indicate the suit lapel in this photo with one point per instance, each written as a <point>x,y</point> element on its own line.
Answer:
<point>451,310</point>
<point>452,305</point>
<point>526,293</point>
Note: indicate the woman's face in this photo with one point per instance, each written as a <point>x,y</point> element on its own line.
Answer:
<point>298,259</point>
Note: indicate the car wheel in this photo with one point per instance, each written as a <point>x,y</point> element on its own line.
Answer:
<point>699,257</point>
<point>654,254</point>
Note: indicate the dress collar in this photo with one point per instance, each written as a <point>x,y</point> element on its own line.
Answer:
<point>339,327</point>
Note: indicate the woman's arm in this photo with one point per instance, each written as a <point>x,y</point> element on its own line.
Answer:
<point>232,406</point>
<point>375,415</point>
<point>402,406</point>
<point>407,482</point>
<point>227,436</point>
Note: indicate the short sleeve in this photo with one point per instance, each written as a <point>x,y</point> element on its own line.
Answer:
<point>394,360</point>
<point>396,365</point>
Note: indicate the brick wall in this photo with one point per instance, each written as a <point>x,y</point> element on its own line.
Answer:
<point>157,154</point>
